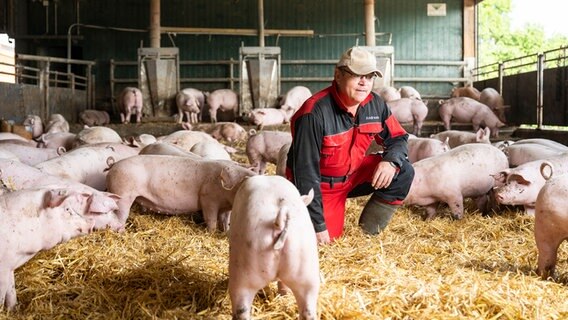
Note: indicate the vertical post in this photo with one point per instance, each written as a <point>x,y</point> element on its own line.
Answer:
<point>261,23</point>
<point>231,74</point>
<point>370,38</point>
<point>112,82</point>
<point>90,88</point>
<point>155,23</point>
<point>540,91</point>
<point>501,75</point>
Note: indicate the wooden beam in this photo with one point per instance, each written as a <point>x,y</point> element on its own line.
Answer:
<point>238,32</point>
<point>469,36</point>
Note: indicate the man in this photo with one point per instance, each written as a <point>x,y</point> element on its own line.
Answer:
<point>331,133</point>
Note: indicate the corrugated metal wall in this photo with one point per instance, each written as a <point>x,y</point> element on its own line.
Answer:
<point>337,26</point>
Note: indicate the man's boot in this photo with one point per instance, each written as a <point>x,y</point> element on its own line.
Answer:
<point>376,215</point>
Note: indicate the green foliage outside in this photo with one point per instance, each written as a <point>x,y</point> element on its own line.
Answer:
<point>497,42</point>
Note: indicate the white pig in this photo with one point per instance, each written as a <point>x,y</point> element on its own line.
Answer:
<point>467,110</point>
<point>190,102</point>
<point>551,219</point>
<point>16,176</point>
<point>262,117</point>
<point>129,103</point>
<point>520,185</point>
<point>57,140</point>
<point>210,150</point>
<point>97,134</point>
<point>494,100</point>
<point>407,110</point>
<point>30,155</point>
<point>263,147</point>
<point>87,164</point>
<point>462,172</point>
<point>228,131</point>
<point>194,185</point>
<point>91,117</point>
<point>422,148</point>
<point>272,238</point>
<point>224,100</point>
<point>409,92</point>
<point>467,91</point>
<point>526,152</point>
<point>457,138</point>
<point>293,100</point>
<point>165,148</point>
<point>56,123</point>
<point>34,124</point>
<point>34,220</point>
<point>389,93</point>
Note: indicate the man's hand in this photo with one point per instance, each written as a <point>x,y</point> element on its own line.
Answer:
<point>323,237</point>
<point>383,175</point>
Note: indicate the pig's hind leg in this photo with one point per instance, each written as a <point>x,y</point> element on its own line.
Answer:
<point>241,301</point>
<point>7,289</point>
<point>307,298</point>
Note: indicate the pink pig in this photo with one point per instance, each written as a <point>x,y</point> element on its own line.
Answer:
<point>262,117</point>
<point>34,220</point>
<point>129,103</point>
<point>422,148</point>
<point>272,238</point>
<point>456,138</point>
<point>228,131</point>
<point>225,100</point>
<point>551,219</point>
<point>468,110</point>
<point>462,172</point>
<point>263,147</point>
<point>407,110</point>
<point>196,185</point>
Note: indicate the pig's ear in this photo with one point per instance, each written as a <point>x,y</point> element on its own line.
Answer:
<point>54,197</point>
<point>307,199</point>
<point>103,202</point>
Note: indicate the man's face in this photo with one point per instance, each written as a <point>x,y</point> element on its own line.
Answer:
<point>353,88</point>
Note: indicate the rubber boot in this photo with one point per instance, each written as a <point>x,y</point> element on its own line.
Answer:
<point>376,215</point>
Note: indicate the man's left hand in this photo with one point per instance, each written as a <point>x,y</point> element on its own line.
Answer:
<point>383,175</point>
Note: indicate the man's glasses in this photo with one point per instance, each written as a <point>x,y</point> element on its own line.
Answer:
<point>370,76</point>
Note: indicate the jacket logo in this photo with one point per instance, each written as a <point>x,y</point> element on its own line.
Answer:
<point>372,118</point>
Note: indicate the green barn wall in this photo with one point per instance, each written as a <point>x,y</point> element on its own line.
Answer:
<point>337,25</point>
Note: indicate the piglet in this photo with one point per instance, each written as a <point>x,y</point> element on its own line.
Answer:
<point>91,117</point>
<point>35,124</point>
<point>34,220</point>
<point>225,100</point>
<point>551,219</point>
<point>422,148</point>
<point>293,100</point>
<point>189,103</point>
<point>407,110</point>
<point>262,117</point>
<point>56,123</point>
<point>272,238</point>
<point>467,110</point>
<point>228,131</point>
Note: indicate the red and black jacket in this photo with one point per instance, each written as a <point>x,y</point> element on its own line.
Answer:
<point>328,141</point>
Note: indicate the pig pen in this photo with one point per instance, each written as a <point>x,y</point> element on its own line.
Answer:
<point>170,267</point>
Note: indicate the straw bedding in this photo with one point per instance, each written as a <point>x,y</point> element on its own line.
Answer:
<point>170,267</point>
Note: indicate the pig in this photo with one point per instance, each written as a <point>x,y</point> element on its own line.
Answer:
<point>467,91</point>
<point>185,139</point>
<point>389,93</point>
<point>92,117</point>
<point>96,134</point>
<point>34,220</point>
<point>282,157</point>
<point>129,103</point>
<point>189,102</point>
<point>456,138</point>
<point>293,100</point>
<point>409,92</point>
<point>165,148</point>
<point>34,124</point>
<point>195,185</point>
<point>545,142</point>
<point>495,102</point>
<point>551,219</point>
<point>526,152</point>
<point>228,131</point>
<point>422,148</point>
<point>16,175</point>
<point>263,147</point>
<point>224,100</point>
<point>467,110</point>
<point>57,123</point>
<point>5,154</point>
<point>262,117</point>
<point>272,238</point>
<point>462,172</point>
<point>87,164</point>
<point>209,150</point>
<point>56,140</point>
<point>30,155</point>
<point>520,185</point>
<point>407,110</point>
